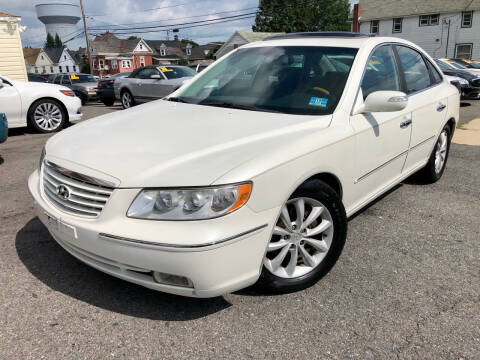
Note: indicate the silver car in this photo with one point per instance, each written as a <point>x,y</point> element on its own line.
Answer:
<point>151,83</point>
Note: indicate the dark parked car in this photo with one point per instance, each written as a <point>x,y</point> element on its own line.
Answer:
<point>83,85</point>
<point>472,90</point>
<point>3,128</point>
<point>470,64</point>
<point>105,91</point>
<point>37,78</point>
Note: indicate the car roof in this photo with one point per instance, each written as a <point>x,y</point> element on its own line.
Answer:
<point>332,39</point>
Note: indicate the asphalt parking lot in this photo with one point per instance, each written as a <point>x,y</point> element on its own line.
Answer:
<point>406,286</point>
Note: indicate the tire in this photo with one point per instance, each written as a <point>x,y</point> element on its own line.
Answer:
<point>83,97</point>
<point>323,246</point>
<point>127,99</point>
<point>47,116</point>
<point>108,102</point>
<point>437,162</point>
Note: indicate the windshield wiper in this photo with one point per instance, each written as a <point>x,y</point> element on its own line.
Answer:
<point>177,99</point>
<point>236,106</point>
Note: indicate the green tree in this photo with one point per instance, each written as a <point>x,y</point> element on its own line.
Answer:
<point>183,62</point>
<point>133,37</point>
<point>58,41</point>
<point>304,15</point>
<point>50,43</point>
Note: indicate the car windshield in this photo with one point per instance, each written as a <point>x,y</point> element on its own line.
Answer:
<point>455,65</point>
<point>79,78</point>
<point>120,75</point>
<point>444,66</point>
<point>177,72</point>
<point>303,80</point>
<point>472,64</point>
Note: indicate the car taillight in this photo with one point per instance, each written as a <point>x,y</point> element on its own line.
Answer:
<point>99,85</point>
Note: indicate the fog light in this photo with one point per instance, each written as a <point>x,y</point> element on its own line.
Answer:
<point>169,279</point>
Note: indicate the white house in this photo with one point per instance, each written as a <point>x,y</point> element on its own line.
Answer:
<point>54,61</point>
<point>12,63</point>
<point>444,28</point>
<point>240,38</point>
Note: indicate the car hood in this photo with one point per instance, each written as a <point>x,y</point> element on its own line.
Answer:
<point>36,85</point>
<point>165,143</point>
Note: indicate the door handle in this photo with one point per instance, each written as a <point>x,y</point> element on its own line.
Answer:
<point>441,107</point>
<point>405,124</point>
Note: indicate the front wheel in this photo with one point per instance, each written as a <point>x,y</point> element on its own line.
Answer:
<point>47,116</point>
<point>437,162</point>
<point>307,239</point>
<point>108,102</point>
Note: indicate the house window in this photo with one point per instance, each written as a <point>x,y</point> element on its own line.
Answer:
<point>64,57</point>
<point>74,68</point>
<point>100,63</point>
<point>68,68</point>
<point>141,47</point>
<point>463,51</point>
<point>374,26</point>
<point>41,57</point>
<point>397,25</point>
<point>51,69</point>
<point>44,70</point>
<point>163,52</point>
<point>429,20</point>
<point>93,63</point>
<point>142,61</point>
<point>188,51</point>
<point>36,70</point>
<point>467,18</point>
<point>126,64</point>
<point>114,64</point>
<point>60,68</point>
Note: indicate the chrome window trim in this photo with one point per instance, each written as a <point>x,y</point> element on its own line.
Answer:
<point>179,246</point>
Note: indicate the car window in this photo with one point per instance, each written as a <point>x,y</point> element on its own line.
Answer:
<point>147,73</point>
<point>177,72</point>
<point>302,80</point>
<point>66,80</point>
<point>381,72</point>
<point>416,72</point>
<point>437,78</point>
<point>81,78</point>
<point>57,80</point>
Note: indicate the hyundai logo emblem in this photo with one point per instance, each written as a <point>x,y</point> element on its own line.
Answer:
<point>63,192</point>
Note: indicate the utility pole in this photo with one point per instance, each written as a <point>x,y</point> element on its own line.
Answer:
<point>86,37</point>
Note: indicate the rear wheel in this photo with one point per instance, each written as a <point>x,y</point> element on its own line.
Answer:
<point>437,162</point>
<point>47,115</point>
<point>127,99</point>
<point>307,240</point>
<point>108,102</point>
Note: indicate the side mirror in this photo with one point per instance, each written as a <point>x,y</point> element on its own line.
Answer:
<point>156,77</point>
<point>383,101</point>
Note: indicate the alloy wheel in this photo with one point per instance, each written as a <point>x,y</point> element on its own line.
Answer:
<point>441,151</point>
<point>48,116</point>
<point>301,238</point>
<point>126,100</point>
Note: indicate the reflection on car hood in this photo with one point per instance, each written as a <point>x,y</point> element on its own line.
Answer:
<point>164,143</point>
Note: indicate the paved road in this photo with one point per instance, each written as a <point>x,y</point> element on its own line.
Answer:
<point>406,286</point>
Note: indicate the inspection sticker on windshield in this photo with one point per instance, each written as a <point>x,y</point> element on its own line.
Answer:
<point>74,77</point>
<point>165,69</point>
<point>316,101</point>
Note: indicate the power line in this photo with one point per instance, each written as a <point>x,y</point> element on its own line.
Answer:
<point>183,18</point>
<point>158,8</point>
<point>184,27</point>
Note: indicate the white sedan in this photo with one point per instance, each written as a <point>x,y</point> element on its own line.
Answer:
<point>248,174</point>
<point>45,107</point>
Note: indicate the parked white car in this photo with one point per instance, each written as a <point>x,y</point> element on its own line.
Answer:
<point>45,107</point>
<point>249,173</point>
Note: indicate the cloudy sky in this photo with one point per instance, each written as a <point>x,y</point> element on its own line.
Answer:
<point>108,13</point>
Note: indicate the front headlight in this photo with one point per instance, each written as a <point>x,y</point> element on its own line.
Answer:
<point>189,204</point>
<point>42,156</point>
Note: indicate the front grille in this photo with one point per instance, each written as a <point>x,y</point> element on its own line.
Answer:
<point>74,193</point>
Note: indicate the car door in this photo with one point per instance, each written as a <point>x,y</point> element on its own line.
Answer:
<point>382,138</point>
<point>11,104</point>
<point>153,87</point>
<point>426,100</point>
<point>139,84</point>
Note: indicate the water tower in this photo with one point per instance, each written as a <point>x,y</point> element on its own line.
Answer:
<point>59,18</point>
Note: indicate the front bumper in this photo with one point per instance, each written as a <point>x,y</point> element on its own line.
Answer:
<point>218,256</point>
